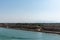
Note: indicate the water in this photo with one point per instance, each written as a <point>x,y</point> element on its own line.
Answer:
<point>11,34</point>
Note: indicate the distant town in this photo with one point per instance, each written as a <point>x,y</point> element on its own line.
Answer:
<point>38,27</point>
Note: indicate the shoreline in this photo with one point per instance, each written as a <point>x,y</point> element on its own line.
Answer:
<point>45,31</point>
<point>36,27</point>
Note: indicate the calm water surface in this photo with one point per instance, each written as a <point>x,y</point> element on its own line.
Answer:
<point>11,34</point>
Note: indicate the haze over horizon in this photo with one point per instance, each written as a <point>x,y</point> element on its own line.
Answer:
<point>29,11</point>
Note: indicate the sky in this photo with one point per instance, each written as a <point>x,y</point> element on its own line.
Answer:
<point>29,11</point>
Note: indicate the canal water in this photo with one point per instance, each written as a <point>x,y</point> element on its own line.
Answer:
<point>12,34</point>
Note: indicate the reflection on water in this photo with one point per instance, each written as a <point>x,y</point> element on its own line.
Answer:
<point>11,34</point>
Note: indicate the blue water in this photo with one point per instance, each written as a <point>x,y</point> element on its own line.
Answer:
<point>11,34</point>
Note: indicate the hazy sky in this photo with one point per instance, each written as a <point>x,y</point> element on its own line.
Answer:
<point>29,11</point>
